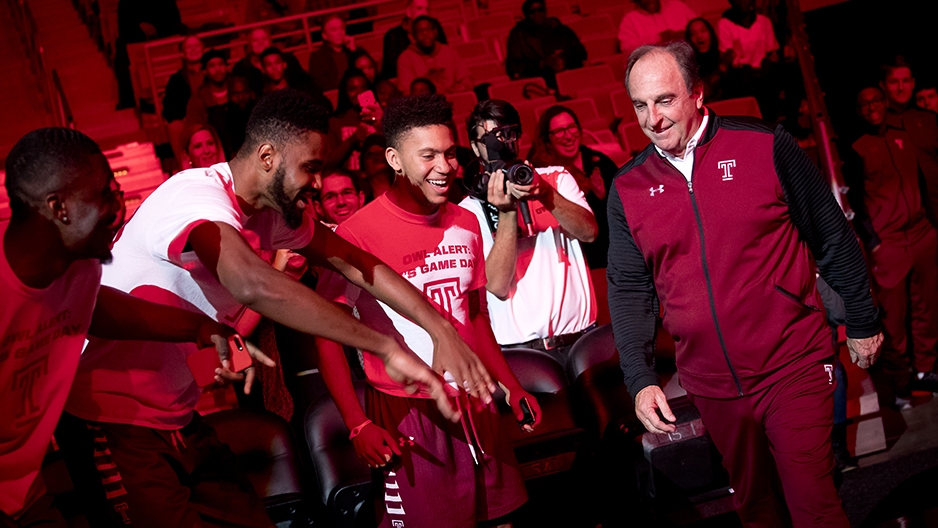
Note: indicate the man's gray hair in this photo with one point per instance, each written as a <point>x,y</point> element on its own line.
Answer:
<point>682,52</point>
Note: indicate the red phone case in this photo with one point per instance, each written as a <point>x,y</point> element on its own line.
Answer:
<point>204,361</point>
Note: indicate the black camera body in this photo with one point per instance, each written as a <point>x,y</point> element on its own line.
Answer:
<point>501,155</point>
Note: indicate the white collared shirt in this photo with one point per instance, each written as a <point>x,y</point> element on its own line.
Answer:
<point>686,164</point>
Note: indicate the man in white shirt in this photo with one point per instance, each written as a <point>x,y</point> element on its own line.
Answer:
<point>540,294</point>
<point>193,244</point>
<point>654,21</point>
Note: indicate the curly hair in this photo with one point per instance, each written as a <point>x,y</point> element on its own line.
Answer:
<point>406,113</point>
<point>45,160</point>
<point>281,117</point>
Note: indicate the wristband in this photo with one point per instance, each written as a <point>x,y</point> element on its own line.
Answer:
<point>358,429</point>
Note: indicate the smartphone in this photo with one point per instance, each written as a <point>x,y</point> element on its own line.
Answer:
<point>204,361</point>
<point>367,98</point>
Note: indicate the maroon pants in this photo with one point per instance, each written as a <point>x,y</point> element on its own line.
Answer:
<point>781,434</point>
<point>915,298</point>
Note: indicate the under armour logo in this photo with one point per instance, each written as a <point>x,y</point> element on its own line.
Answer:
<point>405,441</point>
<point>899,143</point>
<point>726,165</point>
<point>660,189</point>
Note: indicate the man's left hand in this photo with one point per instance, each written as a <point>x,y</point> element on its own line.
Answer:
<point>213,333</point>
<point>451,354</point>
<point>863,352</point>
<point>514,400</point>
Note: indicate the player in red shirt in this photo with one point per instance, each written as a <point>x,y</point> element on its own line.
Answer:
<point>436,473</point>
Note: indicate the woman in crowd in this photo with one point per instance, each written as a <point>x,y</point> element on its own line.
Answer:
<point>363,60</point>
<point>558,143</point>
<point>713,64</point>
<point>351,124</point>
<point>202,147</point>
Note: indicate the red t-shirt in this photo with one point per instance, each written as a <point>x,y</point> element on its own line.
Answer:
<point>440,254</point>
<point>43,334</point>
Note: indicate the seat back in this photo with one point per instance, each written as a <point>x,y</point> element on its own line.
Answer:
<point>742,106</point>
<point>598,25</point>
<point>570,81</point>
<point>343,480</point>
<point>513,91</point>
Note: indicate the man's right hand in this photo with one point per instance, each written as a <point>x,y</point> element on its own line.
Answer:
<point>647,402</point>
<point>374,446</point>
<point>498,194</point>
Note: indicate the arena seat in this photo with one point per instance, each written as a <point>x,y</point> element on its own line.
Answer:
<point>502,22</point>
<point>266,450</point>
<point>585,109</point>
<point>632,138</point>
<point>599,25</point>
<point>474,51</point>
<point>571,81</point>
<point>491,72</point>
<point>741,106</point>
<point>463,102</point>
<point>600,47</point>
<point>513,90</point>
<point>343,481</point>
<point>622,105</point>
<point>526,111</point>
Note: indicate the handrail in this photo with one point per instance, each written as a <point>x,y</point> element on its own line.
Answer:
<point>63,112</point>
<point>48,84</point>
<point>307,29</point>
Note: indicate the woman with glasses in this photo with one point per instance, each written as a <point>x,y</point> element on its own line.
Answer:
<point>558,143</point>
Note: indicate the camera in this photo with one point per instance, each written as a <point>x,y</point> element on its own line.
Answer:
<point>501,155</point>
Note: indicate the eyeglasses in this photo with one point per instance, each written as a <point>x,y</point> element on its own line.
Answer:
<point>871,102</point>
<point>572,129</point>
<point>505,133</point>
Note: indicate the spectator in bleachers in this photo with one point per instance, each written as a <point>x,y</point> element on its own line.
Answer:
<point>421,86</point>
<point>559,144</point>
<point>539,290</point>
<point>339,197</point>
<point>328,63</point>
<point>654,21</point>
<point>712,62</point>
<point>751,38</point>
<point>138,22</point>
<point>898,84</point>
<point>926,95</point>
<point>399,38</point>
<point>278,75</point>
<point>202,147</point>
<point>377,175</point>
<point>231,119</point>
<point>902,248</point>
<point>541,46</point>
<point>179,90</point>
<point>386,91</point>
<point>430,58</point>
<point>251,66</point>
<point>351,124</point>
<point>213,91</point>
<point>363,60</point>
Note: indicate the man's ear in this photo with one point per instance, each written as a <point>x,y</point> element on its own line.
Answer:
<point>320,212</point>
<point>55,208</point>
<point>394,159</point>
<point>265,156</point>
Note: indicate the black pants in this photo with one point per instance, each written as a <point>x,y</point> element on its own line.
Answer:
<point>143,477</point>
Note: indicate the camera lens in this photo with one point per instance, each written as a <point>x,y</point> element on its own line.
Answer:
<point>520,174</point>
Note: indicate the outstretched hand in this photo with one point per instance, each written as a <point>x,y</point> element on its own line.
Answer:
<point>406,368</point>
<point>212,333</point>
<point>863,352</point>
<point>452,354</point>
<point>514,401</point>
<point>647,402</point>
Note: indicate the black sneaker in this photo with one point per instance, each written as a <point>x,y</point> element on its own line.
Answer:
<point>842,459</point>
<point>927,383</point>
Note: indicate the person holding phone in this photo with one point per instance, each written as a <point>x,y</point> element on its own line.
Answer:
<point>356,117</point>
<point>426,463</point>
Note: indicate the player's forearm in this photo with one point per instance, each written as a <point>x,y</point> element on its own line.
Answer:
<point>118,315</point>
<point>500,262</point>
<point>336,374</point>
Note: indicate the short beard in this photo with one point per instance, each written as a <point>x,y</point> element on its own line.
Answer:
<point>292,215</point>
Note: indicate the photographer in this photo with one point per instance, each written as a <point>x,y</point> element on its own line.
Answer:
<point>539,290</point>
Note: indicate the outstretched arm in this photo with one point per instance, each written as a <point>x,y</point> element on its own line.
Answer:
<point>366,271</point>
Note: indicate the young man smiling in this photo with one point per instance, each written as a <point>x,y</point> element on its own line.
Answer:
<point>194,244</point>
<point>435,473</point>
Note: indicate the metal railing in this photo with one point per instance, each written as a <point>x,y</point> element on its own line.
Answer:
<point>47,80</point>
<point>308,22</point>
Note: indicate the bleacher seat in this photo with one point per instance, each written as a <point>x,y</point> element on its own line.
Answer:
<point>742,106</point>
<point>513,91</point>
<point>600,25</point>
<point>463,102</point>
<point>622,105</point>
<point>585,110</point>
<point>571,81</point>
<point>474,51</point>
<point>600,47</point>
<point>632,138</point>
<point>526,111</point>
<point>501,22</point>
<point>499,41</point>
<point>602,101</point>
<point>487,71</point>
